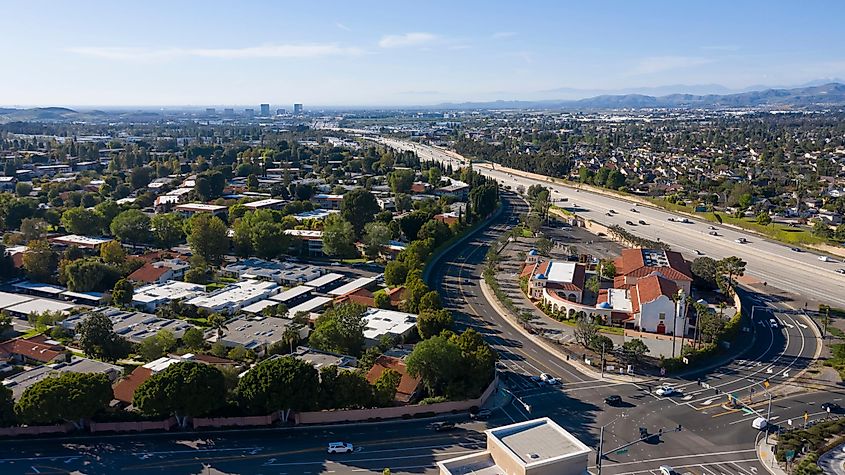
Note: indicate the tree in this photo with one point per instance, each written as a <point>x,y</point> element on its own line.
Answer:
<point>98,340</point>
<point>437,231</point>
<point>608,268</point>
<point>182,389</point>
<point>23,188</point>
<point>344,389</point>
<point>131,226</point>
<point>634,350</point>
<point>81,221</point>
<point>340,330</point>
<point>731,267</point>
<point>252,182</point>
<point>208,237</point>
<point>432,322</point>
<point>764,219</point>
<point>112,252</point>
<point>39,261</point>
<point>338,237</point>
<point>395,273</point>
<point>168,229</point>
<point>376,236</point>
<point>107,210</point>
<point>483,198</point>
<point>585,331</point>
<point>384,389</point>
<point>217,323</point>
<point>241,354</point>
<point>601,343</point>
<point>33,229</point>
<point>430,301</point>
<point>7,407</point>
<point>70,397</point>
<point>281,384</point>
<point>710,325</point>
<point>400,181</point>
<point>615,180</point>
<point>822,229</point>
<point>89,274</point>
<point>411,223</point>
<point>193,339</point>
<point>156,346</point>
<point>359,207</point>
<point>122,292</point>
<point>382,300</point>
<point>705,270</point>
<point>437,362</point>
<point>434,175</point>
<point>5,323</point>
<point>593,284</point>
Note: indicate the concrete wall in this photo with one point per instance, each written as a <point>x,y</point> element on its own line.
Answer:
<point>248,421</point>
<point>134,426</point>
<point>358,415</point>
<point>35,430</point>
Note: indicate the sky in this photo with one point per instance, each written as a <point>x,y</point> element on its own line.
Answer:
<point>347,53</point>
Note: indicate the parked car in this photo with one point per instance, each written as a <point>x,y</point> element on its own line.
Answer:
<point>340,448</point>
<point>666,390</point>
<point>612,211</point>
<point>759,423</point>
<point>442,426</point>
<point>481,415</point>
<point>697,252</point>
<point>666,470</point>
<point>634,210</point>
<point>613,400</point>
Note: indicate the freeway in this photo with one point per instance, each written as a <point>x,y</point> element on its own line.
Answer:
<point>801,273</point>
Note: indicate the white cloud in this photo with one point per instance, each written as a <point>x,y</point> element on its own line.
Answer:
<point>407,39</point>
<point>656,64</point>
<point>313,50</point>
<point>503,34</point>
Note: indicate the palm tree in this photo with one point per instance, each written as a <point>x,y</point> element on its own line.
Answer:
<point>290,336</point>
<point>217,322</point>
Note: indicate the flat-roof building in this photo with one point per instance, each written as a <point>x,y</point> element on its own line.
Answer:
<point>235,296</point>
<point>294,295</point>
<point>359,283</point>
<point>282,273</point>
<point>134,326</point>
<point>535,447</point>
<point>326,282</point>
<point>85,242</point>
<point>18,383</point>
<point>381,322</point>
<point>190,209</point>
<point>256,333</point>
<point>149,297</point>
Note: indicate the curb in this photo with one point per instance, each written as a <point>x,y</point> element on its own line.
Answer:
<point>485,289</point>
<point>761,451</point>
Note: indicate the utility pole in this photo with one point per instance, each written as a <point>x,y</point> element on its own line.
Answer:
<point>602,359</point>
<point>601,448</point>
<point>768,416</point>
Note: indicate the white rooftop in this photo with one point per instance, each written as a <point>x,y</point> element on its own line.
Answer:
<point>304,233</point>
<point>310,305</point>
<point>324,280</point>
<point>82,240</point>
<point>263,203</point>
<point>353,286</point>
<point>8,300</point>
<point>170,290</point>
<point>259,306</point>
<point>618,300</point>
<point>382,322</point>
<point>200,207</point>
<point>235,295</point>
<point>39,287</point>
<point>292,293</point>
<point>40,306</point>
<point>560,271</point>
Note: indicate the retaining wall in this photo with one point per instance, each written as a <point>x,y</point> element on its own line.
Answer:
<point>132,426</point>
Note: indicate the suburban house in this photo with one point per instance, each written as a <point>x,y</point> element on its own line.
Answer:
<point>326,201</point>
<point>391,323</point>
<point>160,271</point>
<point>409,387</point>
<point>37,349</point>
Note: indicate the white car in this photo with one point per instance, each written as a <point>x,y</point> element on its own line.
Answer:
<point>759,423</point>
<point>663,391</point>
<point>773,323</point>
<point>741,241</point>
<point>548,379</point>
<point>825,259</point>
<point>340,448</point>
<point>666,470</point>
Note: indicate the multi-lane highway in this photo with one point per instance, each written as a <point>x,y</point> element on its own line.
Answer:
<point>800,273</point>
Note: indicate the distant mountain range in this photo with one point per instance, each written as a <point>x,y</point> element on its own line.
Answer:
<point>809,97</point>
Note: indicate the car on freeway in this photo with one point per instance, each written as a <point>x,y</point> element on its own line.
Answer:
<point>613,400</point>
<point>713,233</point>
<point>840,271</point>
<point>666,470</point>
<point>795,249</point>
<point>773,323</point>
<point>548,379</point>
<point>442,426</point>
<point>642,221</point>
<point>825,259</point>
<point>611,211</point>
<point>340,448</point>
<point>634,210</point>
<point>608,214</point>
<point>831,407</point>
<point>630,223</point>
<point>481,415</point>
<point>666,390</point>
<point>741,241</point>
<point>759,423</point>
<point>697,252</point>
<point>711,227</point>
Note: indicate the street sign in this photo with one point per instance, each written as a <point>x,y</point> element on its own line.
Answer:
<point>662,371</point>
<point>685,360</point>
<point>790,454</point>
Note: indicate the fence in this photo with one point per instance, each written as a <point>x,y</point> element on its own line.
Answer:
<point>246,421</point>
<point>35,430</point>
<point>132,426</point>
<point>359,415</point>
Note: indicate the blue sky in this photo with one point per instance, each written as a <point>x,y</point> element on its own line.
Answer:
<point>401,52</point>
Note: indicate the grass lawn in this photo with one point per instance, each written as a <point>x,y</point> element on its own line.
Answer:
<point>31,333</point>
<point>602,328</point>
<point>526,233</point>
<point>353,261</point>
<point>778,232</point>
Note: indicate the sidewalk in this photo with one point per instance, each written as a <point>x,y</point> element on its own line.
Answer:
<point>765,453</point>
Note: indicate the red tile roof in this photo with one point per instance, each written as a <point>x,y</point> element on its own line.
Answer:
<point>360,296</point>
<point>652,287</point>
<point>35,348</point>
<point>124,390</point>
<point>407,385</point>
<point>148,273</point>
<point>632,264</point>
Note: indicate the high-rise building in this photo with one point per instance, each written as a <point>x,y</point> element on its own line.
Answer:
<point>210,110</point>
<point>297,108</point>
<point>281,112</point>
<point>249,112</point>
<point>265,110</point>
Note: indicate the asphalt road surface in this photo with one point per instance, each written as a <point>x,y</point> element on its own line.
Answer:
<point>801,273</point>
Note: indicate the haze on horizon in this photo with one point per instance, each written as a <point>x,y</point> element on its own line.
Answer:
<point>152,53</point>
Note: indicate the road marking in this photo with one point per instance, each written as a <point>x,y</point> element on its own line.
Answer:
<point>702,465</point>
<point>712,454</point>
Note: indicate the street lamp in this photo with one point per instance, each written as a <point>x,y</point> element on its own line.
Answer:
<point>599,454</point>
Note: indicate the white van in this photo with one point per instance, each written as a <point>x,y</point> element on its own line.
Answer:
<point>759,423</point>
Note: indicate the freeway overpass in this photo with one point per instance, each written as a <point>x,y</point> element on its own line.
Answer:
<point>801,273</point>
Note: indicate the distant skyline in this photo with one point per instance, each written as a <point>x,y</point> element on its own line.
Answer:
<point>348,53</point>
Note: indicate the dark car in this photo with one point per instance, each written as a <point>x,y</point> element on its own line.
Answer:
<point>630,223</point>
<point>613,400</point>
<point>443,426</point>
<point>482,415</point>
<point>642,222</point>
<point>831,407</point>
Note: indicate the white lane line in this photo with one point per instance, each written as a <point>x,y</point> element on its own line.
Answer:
<point>689,456</point>
<point>702,465</point>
